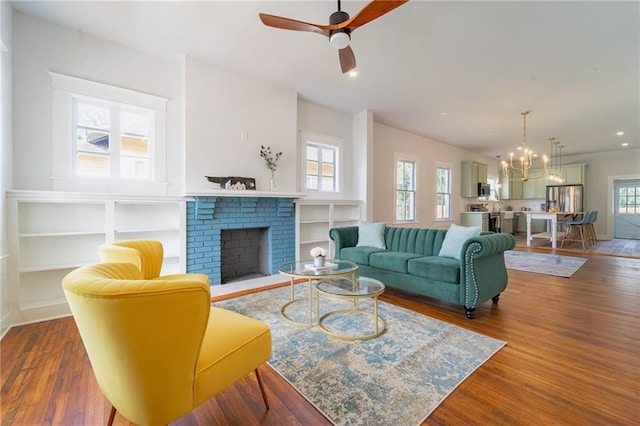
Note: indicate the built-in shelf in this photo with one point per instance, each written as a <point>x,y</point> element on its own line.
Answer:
<point>314,219</point>
<point>52,233</point>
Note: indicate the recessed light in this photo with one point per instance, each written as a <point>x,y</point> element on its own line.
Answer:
<point>444,114</point>
<point>620,133</point>
<point>353,73</point>
<point>625,144</point>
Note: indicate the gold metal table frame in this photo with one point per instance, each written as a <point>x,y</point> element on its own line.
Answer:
<point>351,290</point>
<point>300,270</point>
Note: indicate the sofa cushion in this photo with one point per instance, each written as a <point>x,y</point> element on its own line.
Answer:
<point>395,261</point>
<point>371,235</point>
<point>359,255</point>
<point>455,238</point>
<point>436,268</point>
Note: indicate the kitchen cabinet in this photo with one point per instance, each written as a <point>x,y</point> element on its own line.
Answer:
<point>512,186</point>
<point>472,174</point>
<point>314,219</point>
<point>52,233</point>
<point>574,174</point>
<point>480,219</point>
<point>535,188</point>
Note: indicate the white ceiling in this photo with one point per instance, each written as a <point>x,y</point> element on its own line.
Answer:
<point>575,65</point>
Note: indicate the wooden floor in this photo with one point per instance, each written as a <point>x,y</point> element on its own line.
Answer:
<point>572,358</point>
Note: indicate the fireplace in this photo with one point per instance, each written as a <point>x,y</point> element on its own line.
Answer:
<point>243,254</point>
<point>210,217</point>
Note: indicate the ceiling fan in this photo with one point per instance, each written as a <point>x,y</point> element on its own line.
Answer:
<point>340,27</point>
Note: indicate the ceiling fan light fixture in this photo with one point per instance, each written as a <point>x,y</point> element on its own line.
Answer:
<point>339,39</point>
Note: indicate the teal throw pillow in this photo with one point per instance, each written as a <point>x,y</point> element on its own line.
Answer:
<point>455,238</point>
<point>371,235</point>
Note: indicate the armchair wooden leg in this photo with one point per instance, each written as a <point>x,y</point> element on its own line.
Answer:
<point>264,395</point>
<point>112,415</point>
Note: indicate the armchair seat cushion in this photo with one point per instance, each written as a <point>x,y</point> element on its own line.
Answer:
<point>436,268</point>
<point>232,347</point>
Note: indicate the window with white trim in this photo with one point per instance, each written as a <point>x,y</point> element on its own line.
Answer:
<point>321,162</point>
<point>405,189</point>
<point>443,192</point>
<point>107,138</point>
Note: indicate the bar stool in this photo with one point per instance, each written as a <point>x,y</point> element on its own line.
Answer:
<point>591,231</point>
<point>576,226</point>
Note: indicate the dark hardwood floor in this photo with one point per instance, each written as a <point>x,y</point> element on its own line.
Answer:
<point>572,358</point>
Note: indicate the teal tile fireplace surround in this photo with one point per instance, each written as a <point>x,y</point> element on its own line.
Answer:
<point>208,216</point>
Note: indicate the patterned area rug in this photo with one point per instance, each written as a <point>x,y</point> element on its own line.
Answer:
<point>540,263</point>
<point>399,377</point>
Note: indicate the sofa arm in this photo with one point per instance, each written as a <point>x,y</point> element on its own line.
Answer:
<point>346,236</point>
<point>484,274</point>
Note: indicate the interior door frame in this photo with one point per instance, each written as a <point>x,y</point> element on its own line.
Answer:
<point>610,200</point>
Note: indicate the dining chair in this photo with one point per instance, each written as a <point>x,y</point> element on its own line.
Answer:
<point>576,228</point>
<point>157,348</point>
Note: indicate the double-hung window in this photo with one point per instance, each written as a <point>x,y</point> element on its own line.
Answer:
<point>443,192</point>
<point>321,162</point>
<point>405,188</point>
<point>107,138</point>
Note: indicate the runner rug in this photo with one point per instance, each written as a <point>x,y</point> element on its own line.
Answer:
<point>399,377</point>
<point>540,263</point>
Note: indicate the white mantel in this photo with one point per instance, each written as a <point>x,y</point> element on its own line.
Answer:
<point>243,193</point>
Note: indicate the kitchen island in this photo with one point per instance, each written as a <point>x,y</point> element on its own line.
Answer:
<point>552,219</point>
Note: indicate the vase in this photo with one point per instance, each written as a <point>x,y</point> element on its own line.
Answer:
<point>318,262</point>
<point>272,181</point>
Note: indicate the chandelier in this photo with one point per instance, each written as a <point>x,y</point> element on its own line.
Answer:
<point>555,170</point>
<point>526,158</point>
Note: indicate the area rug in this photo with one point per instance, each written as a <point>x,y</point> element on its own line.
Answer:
<point>399,377</point>
<point>541,263</point>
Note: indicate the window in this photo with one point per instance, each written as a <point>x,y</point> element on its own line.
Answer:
<point>97,153</point>
<point>107,139</point>
<point>628,200</point>
<point>405,190</point>
<point>443,192</point>
<point>321,162</point>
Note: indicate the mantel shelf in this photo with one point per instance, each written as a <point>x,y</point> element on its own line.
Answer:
<point>243,193</point>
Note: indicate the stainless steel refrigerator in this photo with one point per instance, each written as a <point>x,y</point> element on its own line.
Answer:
<point>566,198</point>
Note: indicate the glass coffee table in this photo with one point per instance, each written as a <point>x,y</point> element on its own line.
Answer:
<point>305,270</point>
<point>353,291</point>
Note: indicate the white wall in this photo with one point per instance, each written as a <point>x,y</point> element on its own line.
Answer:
<point>221,106</point>
<point>601,168</point>
<point>329,122</point>
<point>40,46</point>
<point>6,151</point>
<point>387,142</point>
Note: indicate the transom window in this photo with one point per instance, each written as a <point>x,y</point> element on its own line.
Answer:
<point>405,190</point>
<point>443,193</point>
<point>111,140</point>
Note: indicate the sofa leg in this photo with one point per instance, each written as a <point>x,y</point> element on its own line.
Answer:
<point>495,299</point>
<point>471,312</point>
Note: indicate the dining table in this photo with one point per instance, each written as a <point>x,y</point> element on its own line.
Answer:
<point>552,218</point>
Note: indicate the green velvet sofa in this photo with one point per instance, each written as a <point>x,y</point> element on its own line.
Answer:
<point>411,263</point>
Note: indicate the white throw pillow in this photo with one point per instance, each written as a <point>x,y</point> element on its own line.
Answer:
<point>455,238</point>
<point>371,235</point>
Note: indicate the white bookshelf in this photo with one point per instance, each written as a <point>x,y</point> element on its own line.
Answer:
<point>51,233</point>
<point>314,219</point>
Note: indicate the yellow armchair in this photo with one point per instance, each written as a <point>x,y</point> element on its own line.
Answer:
<point>157,347</point>
<point>147,255</point>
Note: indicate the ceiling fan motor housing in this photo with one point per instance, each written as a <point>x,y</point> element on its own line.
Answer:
<point>339,38</point>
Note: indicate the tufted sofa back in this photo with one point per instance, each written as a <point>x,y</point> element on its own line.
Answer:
<point>426,242</point>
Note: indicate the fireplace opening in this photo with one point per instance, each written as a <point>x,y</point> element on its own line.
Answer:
<point>244,254</point>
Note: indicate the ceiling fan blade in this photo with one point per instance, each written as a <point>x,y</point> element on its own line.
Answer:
<point>347,59</point>
<point>292,24</point>
<point>372,11</point>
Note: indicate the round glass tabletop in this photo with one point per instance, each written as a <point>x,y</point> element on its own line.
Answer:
<point>307,268</point>
<point>360,287</point>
